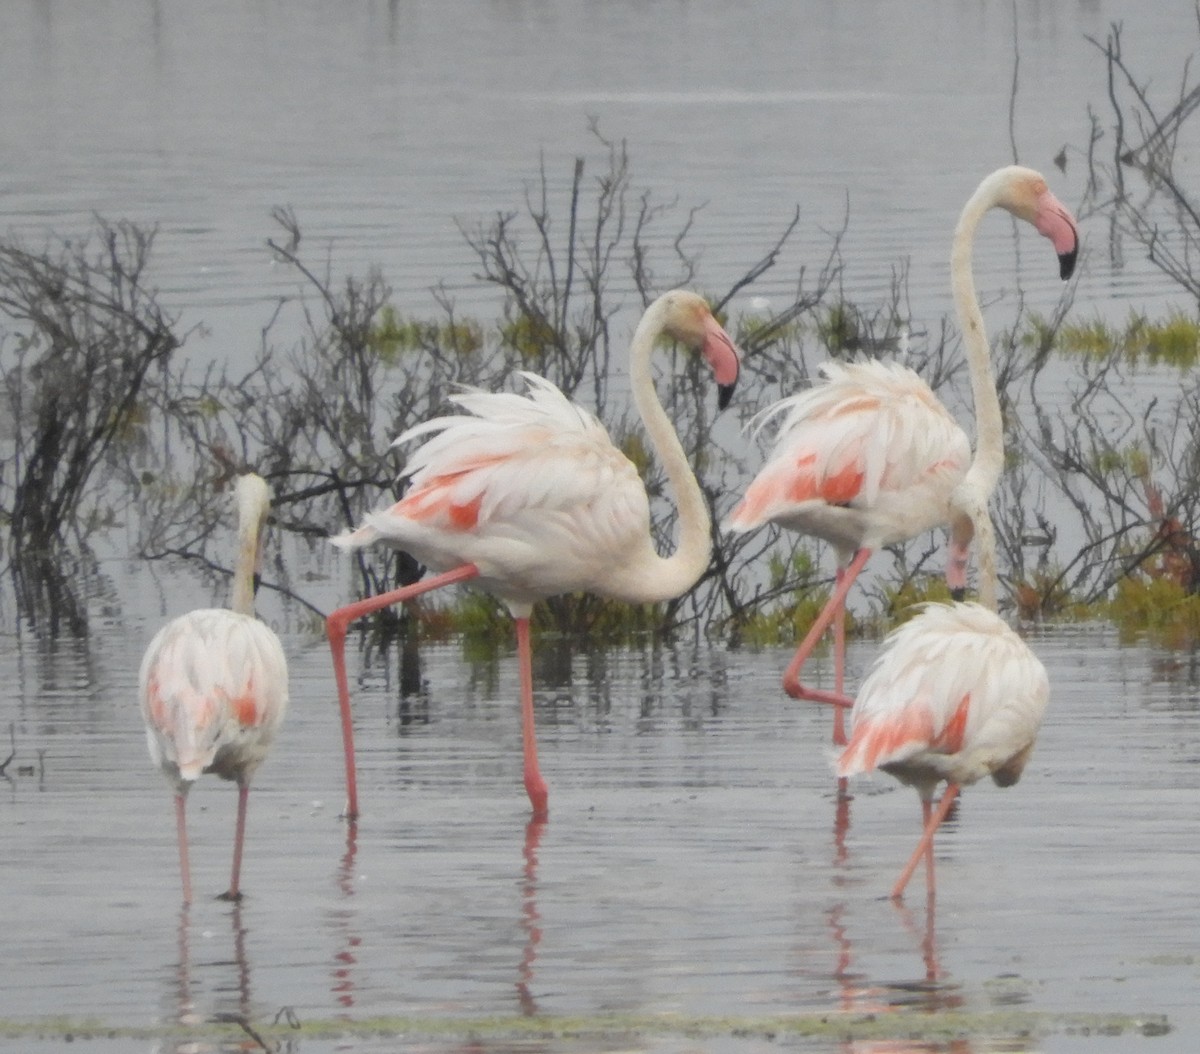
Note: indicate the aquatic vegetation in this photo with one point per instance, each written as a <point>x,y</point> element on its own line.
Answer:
<point>1173,341</point>
<point>797,595</point>
<point>913,1025</point>
<point>752,326</point>
<point>901,602</point>
<point>391,336</point>
<point>1155,607</point>
<point>1044,596</point>
<point>531,336</point>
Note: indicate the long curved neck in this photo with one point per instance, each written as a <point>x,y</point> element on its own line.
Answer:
<point>988,463</point>
<point>246,566</point>
<point>668,577</point>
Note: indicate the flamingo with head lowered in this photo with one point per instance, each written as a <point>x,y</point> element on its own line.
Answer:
<point>527,497</point>
<point>869,456</point>
<point>214,687</point>
<point>956,694</point>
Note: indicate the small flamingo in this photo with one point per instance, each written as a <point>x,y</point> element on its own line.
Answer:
<point>213,687</point>
<point>870,456</point>
<point>956,695</point>
<point>527,497</point>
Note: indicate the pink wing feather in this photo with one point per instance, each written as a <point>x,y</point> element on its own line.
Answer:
<point>516,479</point>
<point>871,429</point>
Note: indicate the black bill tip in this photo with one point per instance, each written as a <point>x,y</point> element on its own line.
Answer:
<point>725,394</point>
<point>1066,263</point>
<point>958,595</point>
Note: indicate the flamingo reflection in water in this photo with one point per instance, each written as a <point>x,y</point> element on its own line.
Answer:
<point>186,1012</point>
<point>530,917</point>
<point>346,959</point>
<point>857,993</point>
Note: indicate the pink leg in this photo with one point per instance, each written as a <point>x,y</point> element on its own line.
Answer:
<point>181,829</point>
<point>336,625</point>
<point>834,608</point>
<point>239,835</point>
<point>535,786</point>
<point>839,671</point>
<point>925,845</point>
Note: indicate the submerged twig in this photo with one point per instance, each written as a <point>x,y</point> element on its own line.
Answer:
<point>12,734</point>
<point>240,1019</point>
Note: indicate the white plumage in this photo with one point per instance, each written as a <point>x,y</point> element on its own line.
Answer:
<point>865,458</point>
<point>528,488</point>
<point>955,695</point>
<point>213,687</point>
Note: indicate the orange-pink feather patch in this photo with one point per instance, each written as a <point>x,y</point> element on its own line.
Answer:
<point>432,499</point>
<point>245,709</point>
<point>876,741</point>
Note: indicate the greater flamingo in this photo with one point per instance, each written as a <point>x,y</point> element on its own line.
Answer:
<point>870,456</point>
<point>956,695</point>
<point>213,687</point>
<point>527,497</point>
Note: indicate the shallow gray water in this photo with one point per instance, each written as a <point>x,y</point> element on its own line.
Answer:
<point>386,124</point>
<point>694,864</point>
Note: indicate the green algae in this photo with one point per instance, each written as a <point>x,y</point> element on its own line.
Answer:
<point>900,1024</point>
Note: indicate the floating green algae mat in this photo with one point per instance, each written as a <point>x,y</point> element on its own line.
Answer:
<point>914,1025</point>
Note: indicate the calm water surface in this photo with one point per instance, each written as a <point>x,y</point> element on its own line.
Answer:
<point>695,862</point>
<point>386,125</point>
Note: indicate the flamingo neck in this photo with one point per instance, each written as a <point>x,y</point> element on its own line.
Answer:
<point>658,577</point>
<point>246,566</point>
<point>988,463</point>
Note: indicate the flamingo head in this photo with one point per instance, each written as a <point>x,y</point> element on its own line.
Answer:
<point>1025,194</point>
<point>690,320</point>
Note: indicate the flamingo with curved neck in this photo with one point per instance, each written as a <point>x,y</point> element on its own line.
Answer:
<point>870,457</point>
<point>527,497</point>
<point>956,694</point>
<point>1024,193</point>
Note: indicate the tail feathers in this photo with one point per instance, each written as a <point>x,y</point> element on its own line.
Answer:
<point>749,512</point>
<point>356,539</point>
<point>772,492</point>
<point>192,769</point>
<point>189,748</point>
